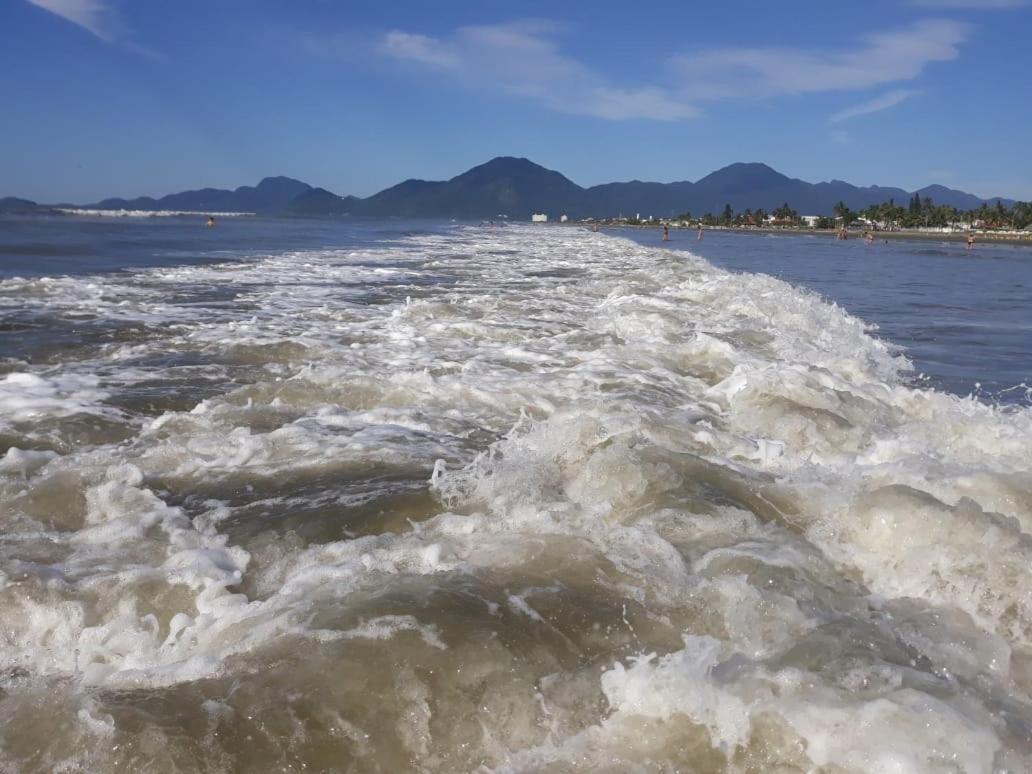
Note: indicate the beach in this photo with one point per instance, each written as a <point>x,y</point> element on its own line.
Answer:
<point>1006,238</point>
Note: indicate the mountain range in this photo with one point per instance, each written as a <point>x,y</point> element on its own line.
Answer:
<point>517,187</point>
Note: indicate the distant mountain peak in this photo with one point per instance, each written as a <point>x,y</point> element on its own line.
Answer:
<point>514,162</point>
<point>506,166</point>
<point>280,181</point>
<point>742,176</point>
<point>750,166</point>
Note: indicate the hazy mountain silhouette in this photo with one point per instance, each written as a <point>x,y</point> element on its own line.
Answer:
<point>271,195</point>
<point>319,201</point>
<point>517,187</point>
<point>502,186</point>
<point>14,204</point>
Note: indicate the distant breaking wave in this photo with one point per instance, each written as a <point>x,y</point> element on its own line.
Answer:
<point>148,213</point>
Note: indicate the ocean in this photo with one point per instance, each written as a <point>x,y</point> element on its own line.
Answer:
<point>386,496</point>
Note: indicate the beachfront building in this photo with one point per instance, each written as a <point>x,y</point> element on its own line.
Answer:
<point>539,217</point>
<point>810,221</point>
<point>564,218</point>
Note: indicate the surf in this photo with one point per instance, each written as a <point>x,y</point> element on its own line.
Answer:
<point>503,500</point>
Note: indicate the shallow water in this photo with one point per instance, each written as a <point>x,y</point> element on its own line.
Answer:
<point>513,499</point>
<point>962,314</point>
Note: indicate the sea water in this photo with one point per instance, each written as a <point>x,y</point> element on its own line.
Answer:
<point>312,496</point>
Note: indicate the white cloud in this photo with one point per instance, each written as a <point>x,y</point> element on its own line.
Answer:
<point>884,102</point>
<point>523,59</point>
<point>884,57</point>
<point>418,48</point>
<point>92,15</point>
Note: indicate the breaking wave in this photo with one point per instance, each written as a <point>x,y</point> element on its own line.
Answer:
<point>502,500</point>
<point>148,213</point>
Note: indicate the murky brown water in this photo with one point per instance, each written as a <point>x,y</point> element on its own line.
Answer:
<point>498,500</point>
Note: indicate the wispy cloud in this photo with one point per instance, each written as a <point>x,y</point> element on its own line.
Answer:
<point>883,102</point>
<point>98,18</point>
<point>884,57</point>
<point>92,15</point>
<point>418,48</point>
<point>523,58</point>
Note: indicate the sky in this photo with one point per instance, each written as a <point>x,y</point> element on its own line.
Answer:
<point>126,98</point>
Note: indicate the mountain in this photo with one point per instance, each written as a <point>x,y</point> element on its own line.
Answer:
<point>319,201</point>
<point>14,204</point>
<point>505,185</point>
<point>633,198</point>
<point>517,187</point>
<point>940,194</point>
<point>740,178</point>
<point>139,203</point>
<point>271,195</point>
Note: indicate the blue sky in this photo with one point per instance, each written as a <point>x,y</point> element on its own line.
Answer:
<point>115,97</point>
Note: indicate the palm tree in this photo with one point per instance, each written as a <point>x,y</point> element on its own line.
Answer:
<point>842,211</point>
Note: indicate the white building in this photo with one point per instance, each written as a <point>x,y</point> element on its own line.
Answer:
<point>539,217</point>
<point>810,220</point>
<point>564,218</point>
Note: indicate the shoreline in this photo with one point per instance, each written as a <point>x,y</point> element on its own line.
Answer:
<point>960,237</point>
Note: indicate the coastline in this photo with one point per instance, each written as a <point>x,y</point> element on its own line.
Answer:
<point>961,237</point>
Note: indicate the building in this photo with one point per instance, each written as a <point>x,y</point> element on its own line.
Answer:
<point>810,220</point>
<point>564,218</point>
<point>539,217</point>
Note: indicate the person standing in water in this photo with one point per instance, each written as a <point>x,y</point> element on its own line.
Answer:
<point>698,236</point>
<point>211,221</point>
<point>970,241</point>
<point>666,233</point>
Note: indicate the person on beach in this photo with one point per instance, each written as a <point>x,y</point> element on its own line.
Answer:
<point>699,235</point>
<point>211,221</point>
<point>666,233</point>
<point>970,241</point>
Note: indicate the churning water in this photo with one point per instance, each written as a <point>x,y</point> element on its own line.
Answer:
<point>518,499</point>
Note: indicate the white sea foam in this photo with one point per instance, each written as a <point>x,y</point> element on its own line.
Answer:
<point>677,517</point>
<point>149,213</point>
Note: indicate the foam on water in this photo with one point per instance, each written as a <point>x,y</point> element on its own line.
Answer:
<point>502,499</point>
<point>123,213</point>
